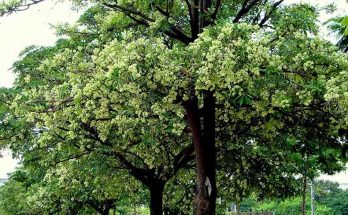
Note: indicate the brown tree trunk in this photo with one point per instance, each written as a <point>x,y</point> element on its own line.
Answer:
<point>156,198</point>
<point>204,143</point>
<point>209,146</point>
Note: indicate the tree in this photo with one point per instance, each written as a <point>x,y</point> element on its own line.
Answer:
<point>329,194</point>
<point>257,170</point>
<point>324,188</point>
<point>185,68</point>
<point>12,199</point>
<point>339,25</point>
<point>75,187</point>
<point>314,151</point>
<point>62,147</point>
<point>197,18</point>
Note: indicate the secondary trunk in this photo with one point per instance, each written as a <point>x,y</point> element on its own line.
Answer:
<point>204,142</point>
<point>156,198</point>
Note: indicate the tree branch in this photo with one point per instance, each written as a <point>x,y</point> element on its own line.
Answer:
<point>142,174</point>
<point>189,8</point>
<point>185,155</point>
<point>216,10</point>
<point>129,11</point>
<point>245,9</point>
<point>145,20</point>
<point>268,15</point>
<point>19,7</point>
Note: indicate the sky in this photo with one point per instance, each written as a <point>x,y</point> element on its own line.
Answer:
<point>33,27</point>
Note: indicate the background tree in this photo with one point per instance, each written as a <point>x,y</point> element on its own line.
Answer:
<point>293,206</point>
<point>12,199</point>
<point>329,194</point>
<point>339,25</point>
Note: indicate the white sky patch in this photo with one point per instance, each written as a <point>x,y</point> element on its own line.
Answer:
<point>7,163</point>
<point>32,27</point>
<point>341,177</point>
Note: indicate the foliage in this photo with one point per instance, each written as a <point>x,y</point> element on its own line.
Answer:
<point>143,84</point>
<point>12,199</point>
<point>329,194</point>
<point>330,199</point>
<point>71,187</point>
<point>293,206</point>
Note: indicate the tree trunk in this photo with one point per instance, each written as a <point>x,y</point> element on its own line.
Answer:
<point>203,131</point>
<point>303,212</point>
<point>156,198</point>
<point>209,146</point>
<point>204,142</point>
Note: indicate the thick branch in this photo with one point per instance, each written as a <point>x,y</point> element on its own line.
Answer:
<point>145,20</point>
<point>129,11</point>
<point>245,9</point>
<point>142,174</point>
<point>183,157</point>
<point>268,15</point>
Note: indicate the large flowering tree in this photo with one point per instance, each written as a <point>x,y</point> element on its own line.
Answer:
<point>176,72</point>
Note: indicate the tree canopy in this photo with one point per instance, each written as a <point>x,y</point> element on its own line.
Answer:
<point>156,88</point>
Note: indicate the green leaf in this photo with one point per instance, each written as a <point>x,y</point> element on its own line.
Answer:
<point>291,141</point>
<point>241,100</point>
<point>298,79</point>
<point>247,100</point>
<point>344,22</point>
<point>346,31</point>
